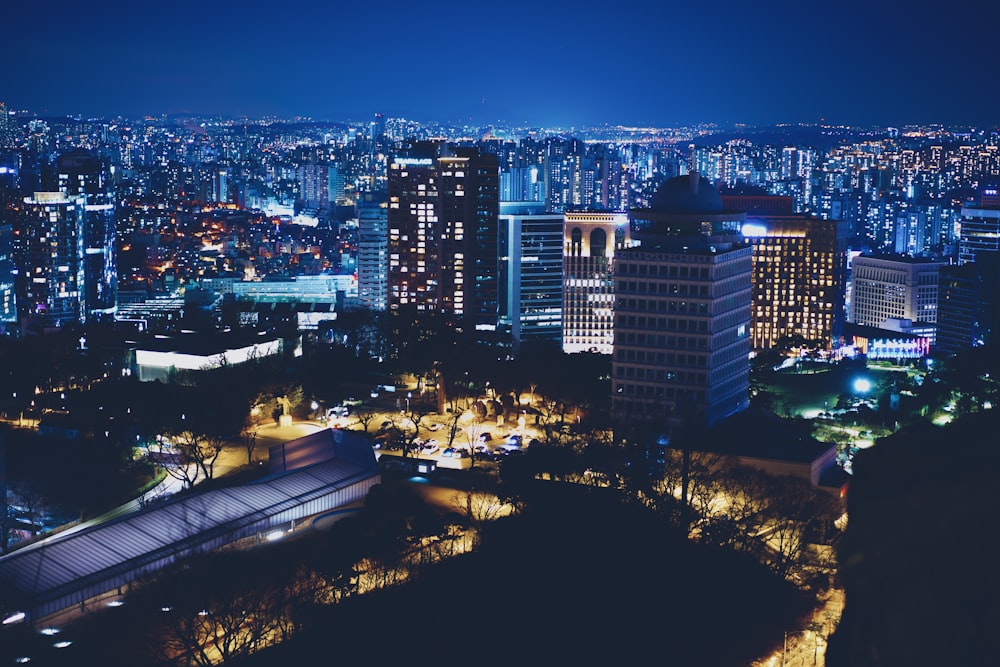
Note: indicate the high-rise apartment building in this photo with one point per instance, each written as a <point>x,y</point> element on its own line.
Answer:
<point>682,311</point>
<point>83,174</point>
<point>443,235</point>
<point>8,300</point>
<point>969,303</point>
<point>8,129</point>
<point>799,278</point>
<point>373,253</point>
<point>889,290</point>
<point>979,231</point>
<point>531,272</point>
<point>591,240</point>
<point>51,287</point>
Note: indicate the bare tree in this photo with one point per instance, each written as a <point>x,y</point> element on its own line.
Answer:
<point>472,433</point>
<point>188,456</point>
<point>31,497</point>
<point>250,440</point>
<point>365,417</point>
<point>230,615</point>
<point>479,509</point>
<point>414,415</point>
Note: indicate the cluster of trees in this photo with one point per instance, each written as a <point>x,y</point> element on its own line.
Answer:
<point>223,606</point>
<point>709,497</point>
<point>575,561</point>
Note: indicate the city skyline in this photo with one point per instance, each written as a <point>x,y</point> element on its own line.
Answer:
<point>525,64</point>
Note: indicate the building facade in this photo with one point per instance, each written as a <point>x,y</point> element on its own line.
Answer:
<point>51,287</point>
<point>531,272</point>
<point>373,254</point>
<point>969,303</point>
<point>591,240</point>
<point>979,230</point>
<point>682,312</point>
<point>8,299</point>
<point>886,290</point>
<point>799,279</point>
<point>443,234</point>
<point>83,174</point>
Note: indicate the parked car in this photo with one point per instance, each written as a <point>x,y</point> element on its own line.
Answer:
<point>485,437</point>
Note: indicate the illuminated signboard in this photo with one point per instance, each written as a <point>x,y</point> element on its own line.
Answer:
<point>414,161</point>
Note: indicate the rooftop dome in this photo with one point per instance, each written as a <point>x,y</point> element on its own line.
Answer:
<point>692,193</point>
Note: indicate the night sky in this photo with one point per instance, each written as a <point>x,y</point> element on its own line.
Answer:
<point>533,62</point>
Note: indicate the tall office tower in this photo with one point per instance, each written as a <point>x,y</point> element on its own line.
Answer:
<point>969,303</point>
<point>336,186</point>
<point>979,228</point>
<point>522,184</point>
<point>564,174</point>
<point>220,185</point>
<point>889,291</point>
<point>8,129</point>
<point>443,253</point>
<point>10,163</point>
<point>591,241</point>
<point>51,281</point>
<point>83,174</point>
<point>682,311</point>
<point>799,278</point>
<point>531,272</point>
<point>314,189</point>
<point>373,253</point>
<point>8,301</point>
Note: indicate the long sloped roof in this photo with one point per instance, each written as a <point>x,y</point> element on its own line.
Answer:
<point>62,563</point>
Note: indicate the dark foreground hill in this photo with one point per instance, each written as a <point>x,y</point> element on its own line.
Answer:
<point>583,580</point>
<point>918,559</point>
<point>577,578</point>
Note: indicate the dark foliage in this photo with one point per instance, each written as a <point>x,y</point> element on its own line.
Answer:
<point>579,577</point>
<point>918,557</point>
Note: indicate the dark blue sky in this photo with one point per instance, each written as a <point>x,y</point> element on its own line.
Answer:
<point>864,62</point>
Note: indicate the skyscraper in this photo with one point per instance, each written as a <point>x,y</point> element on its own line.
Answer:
<point>443,236</point>
<point>8,129</point>
<point>8,301</point>
<point>51,280</point>
<point>979,228</point>
<point>682,311</point>
<point>373,253</point>
<point>799,278</point>
<point>83,174</point>
<point>531,272</point>
<point>591,241</point>
<point>969,303</point>
<point>889,291</point>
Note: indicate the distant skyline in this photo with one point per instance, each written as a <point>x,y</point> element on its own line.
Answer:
<point>646,63</point>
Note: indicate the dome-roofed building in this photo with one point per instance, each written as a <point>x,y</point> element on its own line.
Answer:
<point>692,193</point>
<point>688,205</point>
<point>681,312</point>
